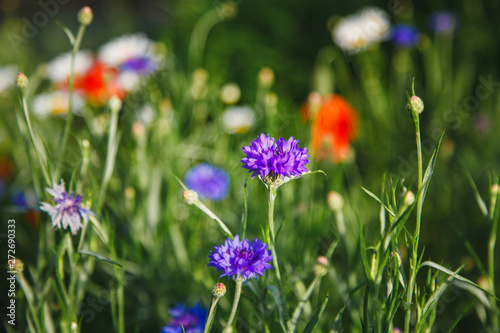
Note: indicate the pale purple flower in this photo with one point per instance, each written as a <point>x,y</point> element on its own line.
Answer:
<point>241,259</point>
<point>68,211</point>
<point>265,157</point>
<point>192,320</point>
<point>443,22</point>
<point>208,181</point>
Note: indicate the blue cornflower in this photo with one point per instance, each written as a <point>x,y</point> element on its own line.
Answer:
<point>208,181</point>
<point>268,158</point>
<point>139,65</point>
<point>241,259</point>
<point>443,22</point>
<point>404,35</point>
<point>192,320</point>
<point>68,211</point>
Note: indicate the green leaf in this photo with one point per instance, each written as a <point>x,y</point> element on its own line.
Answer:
<point>100,257</point>
<point>314,320</point>
<point>287,179</point>
<point>279,305</point>
<point>379,201</point>
<point>479,200</point>
<point>455,275</point>
<point>68,32</point>
<point>338,321</point>
<point>429,171</point>
<point>364,257</point>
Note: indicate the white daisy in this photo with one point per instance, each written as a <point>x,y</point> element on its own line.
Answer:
<point>55,103</point>
<point>59,69</point>
<point>361,30</point>
<point>238,119</point>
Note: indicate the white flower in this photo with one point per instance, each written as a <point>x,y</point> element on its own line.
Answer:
<point>7,77</point>
<point>55,103</point>
<point>136,53</point>
<point>59,69</point>
<point>68,211</point>
<point>146,114</point>
<point>361,30</point>
<point>238,119</point>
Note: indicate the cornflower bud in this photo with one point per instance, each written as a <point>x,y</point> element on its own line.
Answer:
<point>85,16</point>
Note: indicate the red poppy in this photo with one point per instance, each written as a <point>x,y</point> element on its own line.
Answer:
<point>333,129</point>
<point>99,83</point>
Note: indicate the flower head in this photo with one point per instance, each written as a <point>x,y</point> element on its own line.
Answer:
<point>404,35</point>
<point>208,181</point>
<point>333,129</point>
<point>361,30</point>
<point>192,320</point>
<point>219,290</point>
<point>443,23</point>
<point>68,211</point>
<point>85,16</point>
<point>238,119</point>
<point>416,103</point>
<point>21,81</point>
<point>241,259</point>
<point>265,157</point>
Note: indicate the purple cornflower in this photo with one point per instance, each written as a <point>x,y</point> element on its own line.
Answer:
<point>192,320</point>
<point>443,22</point>
<point>241,259</point>
<point>68,210</point>
<point>208,181</point>
<point>267,158</point>
<point>140,65</point>
<point>404,35</point>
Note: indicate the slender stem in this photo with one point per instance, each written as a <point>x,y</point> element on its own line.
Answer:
<point>211,315</point>
<point>237,295</point>
<point>271,241</point>
<point>303,301</point>
<point>71,84</point>
<point>414,256</point>
<point>31,133</point>
<point>110,157</point>
<point>491,269</point>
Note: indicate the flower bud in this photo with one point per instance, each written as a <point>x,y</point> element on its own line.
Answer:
<point>266,77</point>
<point>190,197</point>
<point>321,267</point>
<point>85,16</point>
<point>409,199</point>
<point>115,104</point>
<point>230,93</point>
<point>494,190</point>
<point>335,201</point>
<point>416,103</point>
<point>229,9</point>
<point>219,290</point>
<point>22,81</point>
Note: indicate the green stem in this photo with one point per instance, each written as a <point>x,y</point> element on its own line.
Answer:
<point>414,256</point>
<point>303,301</point>
<point>491,271</point>
<point>236,301</point>
<point>71,83</point>
<point>211,315</point>
<point>110,158</point>
<point>33,141</point>
<point>271,240</point>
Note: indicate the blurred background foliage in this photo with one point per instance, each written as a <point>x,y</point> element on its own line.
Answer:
<point>293,38</point>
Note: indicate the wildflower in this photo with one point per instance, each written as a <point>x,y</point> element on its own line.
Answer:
<point>99,83</point>
<point>416,103</point>
<point>238,119</point>
<point>361,30</point>
<point>133,53</point>
<point>85,16</point>
<point>333,129</point>
<point>68,211</point>
<point>241,259</point>
<point>219,290</point>
<point>55,103</point>
<point>21,81</point>
<point>443,23</point>
<point>335,201</point>
<point>275,160</point>
<point>59,69</point>
<point>403,35</point>
<point>191,320</point>
<point>266,77</point>
<point>409,199</point>
<point>321,266</point>
<point>208,181</point>
<point>190,197</point>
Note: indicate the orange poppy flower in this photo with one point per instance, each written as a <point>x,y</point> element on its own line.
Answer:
<point>99,84</point>
<point>333,129</point>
